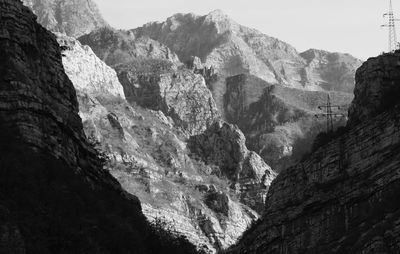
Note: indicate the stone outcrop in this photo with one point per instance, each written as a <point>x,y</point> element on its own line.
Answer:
<point>149,156</point>
<point>224,145</point>
<point>377,87</point>
<point>182,95</point>
<point>87,72</point>
<point>71,17</point>
<point>343,198</point>
<point>55,195</point>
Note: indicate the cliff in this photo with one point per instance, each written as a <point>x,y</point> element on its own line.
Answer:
<point>343,198</point>
<point>377,87</point>
<point>147,150</point>
<point>180,94</point>
<point>87,72</point>
<point>55,196</point>
<point>71,17</point>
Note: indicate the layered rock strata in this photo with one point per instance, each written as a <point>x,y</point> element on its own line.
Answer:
<point>343,198</point>
<point>55,196</point>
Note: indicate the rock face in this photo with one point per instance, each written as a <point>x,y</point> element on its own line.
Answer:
<point>149,155</point>
<point>279,122</point>
<point>87,72</point>
<point>55,195</point>
<point>343,198</point>
<point>71,17</point>
<point>224,145</point>
<point>377,87</point>
<point>182,95</point>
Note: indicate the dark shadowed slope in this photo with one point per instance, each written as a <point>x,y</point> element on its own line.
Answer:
<point>55,196</point>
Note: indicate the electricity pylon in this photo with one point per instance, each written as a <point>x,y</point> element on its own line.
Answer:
<point>329,114</point>
<point>392,28</point>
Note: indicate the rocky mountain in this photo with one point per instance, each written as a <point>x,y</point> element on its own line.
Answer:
<point>229,55</point>
<point>343,198</point>
<point>233,49</point>
<point>55,195</point>
<point>145,140</point>
<point>71,17</point>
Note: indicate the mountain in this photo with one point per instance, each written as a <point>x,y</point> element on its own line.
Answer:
<point>146,139</point>
<point>233,49</point>
<point>343,197</point>
<point>55,195</point>
<point>71,17</point>
<point>229,55</point>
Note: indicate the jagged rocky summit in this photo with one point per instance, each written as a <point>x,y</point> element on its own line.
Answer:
<point>148,153</point>
<point>55,196</point>
<point>344,197</point>
<point>71,17</point>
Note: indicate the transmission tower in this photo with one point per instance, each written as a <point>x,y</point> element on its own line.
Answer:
<point>329,114</point>
<point>392,28</point>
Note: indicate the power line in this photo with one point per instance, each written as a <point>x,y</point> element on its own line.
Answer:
<point>329,114</point>
<point>392,42</point>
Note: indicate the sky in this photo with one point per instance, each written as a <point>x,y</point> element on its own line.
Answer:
<point>348,26</point>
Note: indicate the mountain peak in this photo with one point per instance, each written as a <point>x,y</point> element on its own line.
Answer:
<point>217,15</point>
<point>216,12</point>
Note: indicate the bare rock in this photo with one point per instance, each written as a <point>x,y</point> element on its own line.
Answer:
<point>88,73</point>
<point>224,145</point>
<point>377,87</point>
<point>182,95</point>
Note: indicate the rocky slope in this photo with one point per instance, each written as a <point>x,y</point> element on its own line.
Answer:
<point>71,17</point>
<point>343,198</point>
<point>149,155</point>
<point>55,196</point>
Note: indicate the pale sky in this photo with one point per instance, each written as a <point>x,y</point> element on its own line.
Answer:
<point>349,26</point>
